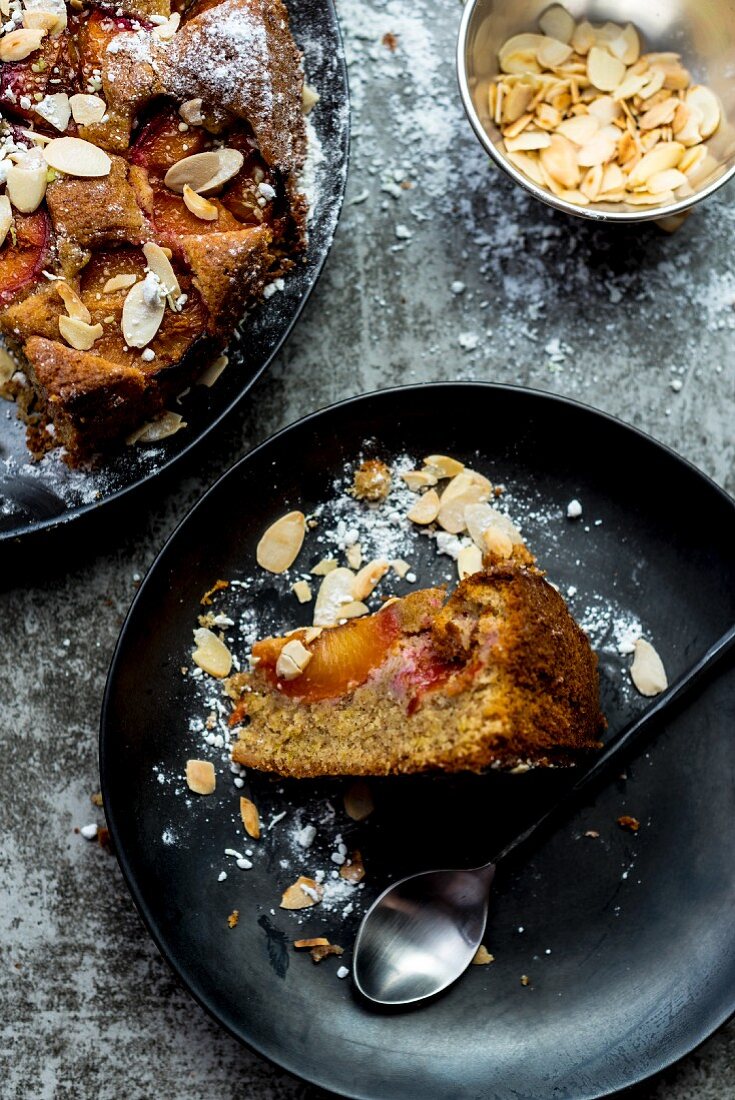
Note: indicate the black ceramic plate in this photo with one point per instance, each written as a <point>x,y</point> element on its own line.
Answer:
<point>35,497</point>
<point>627,940</point>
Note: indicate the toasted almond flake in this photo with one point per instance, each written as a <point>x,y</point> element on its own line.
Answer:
<point>355,609</point>
<point>280,544</point>
<point>316,941</point>
<point>78,334</point>
<point>292,660</point>
<point>354,555</point>
<point>39,20</point>
<point>579,128</point>
<point>662,156</point>
<point>211,654</point>
<point>515,103</point>
<point>419,479</point>
<point>161,427</point>
<point>465,489</point>
<point>612,178</point>
<point>592,182</point>
<point>55,109</point>
<point>326,565</point>
<point>304,893</point>
<point>536,139</point>
<point>400,567</point>
<point>353,869</point>
<point>603,70</point>
<point>631,86</point>
<point>210,374</point>
<point>334,595</point>
<point>583,37</point>
<point>599,150</point>
<point>87,109</point>
<point>200,777</point>
<point>482,956</point>
<point>605,109</point>
<point>191,112</point>
<point>73,304</point>
<point>528,163</point>
<point>205,172</point>
<point>552,53</point>
<point>708,105</point>
<point>497,544</point>
<point>654,84</point>
<point>17,45</point>
<point>557,23</point>
<point>645,198</point>
<point>442,466</point>
<point>482,517</point>
<point>166,31</point>
<point>628,45</point>
<point>426,508</point>
<point>26,184</point>
<point>692,159</point>
<point>6,220</point>
<point>198,206</point>
<point>667,180</point>
<point>469,561</point>
<point>358,801</point>
<point>302,591</point>
<point>250,818</point>
<point>142,315</point>
<point>560,161</point>
<point>119,282</point>
<point>368,577</point>
<point>517,50</point>
<point>309,98</point>
<point>159,263</point>
<point>661,114</point>
<point>647,671</point>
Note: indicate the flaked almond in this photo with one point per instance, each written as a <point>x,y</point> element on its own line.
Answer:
<point>6,220</point>
<point>302,591</point>
<point>553,52</point>
<point>479,518</point>
<point>200,777</point>
<point>419,479</point>
<point>426,508</point>
<point>482,956</point>
<point>210,374</point>
<point>662,156</point>
<point>653,85</point>
<point>48,14</point>
<point>280,544</point>
<point>292,660</point>
<point>322,952</point>
<point>335,593</point>
<point>119,282</point>
<point>79,334</point>
<point>326,565</point>
<point>531,139</point>
<point>159,263</point>
<point>73,304</point>
<point>692,159</point>
<point>304,893</point>
<point>627,45</point>
<point>161,427</point>
<point>358,801</point>
<point>26,184</point>
<point>560,161</point>
<point>465,489</point>
<point>603,70</point>
<point>469,561</point>
<point>605,109</point>
<point>515,103</point>
<point>400,567</point>
<point>631,86</point>
<point>40,20</point>
<point>250,818</point>
<point>600,149</point>
<point>708,105</point>
<point>353,868</point>
<point>442,466</point>
<point>166,31</point>
<point>354,555</point>
<point>557,23</point>
<point>191,112</point>
<point>204,172</point>
<point>211,654</point>
<point>579,128</point>
<point>87,109</point>
<point>315,941</point>
<point>368,577</point>
<point>497,544</point>
<point>519,49</point>
<point>143,311</point>
<point>309,98</point>
<point>647,671</point>
<point>17,45</point>
<point>667,180</point>
<point>77,157</point>
<point>583,37</point>
<point>353,610</point>
<point>661,114</point>
<point>198,206</point>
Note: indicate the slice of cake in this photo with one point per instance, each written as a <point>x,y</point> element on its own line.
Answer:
<point>497,675</point>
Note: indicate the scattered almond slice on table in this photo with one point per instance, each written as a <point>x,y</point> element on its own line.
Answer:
<point>647,671</point>
<point>200,777</point>
<point>280,545</point>
<point>250,818</point>
<point>304,893</point>
<point>211,654</point>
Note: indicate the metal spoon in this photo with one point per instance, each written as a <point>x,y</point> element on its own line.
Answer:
<point>422,932</point>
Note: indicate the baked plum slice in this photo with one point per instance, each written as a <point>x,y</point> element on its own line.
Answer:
<point>22,81</point>
<point>24,254</point>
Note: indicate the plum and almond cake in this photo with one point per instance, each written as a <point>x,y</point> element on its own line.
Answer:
<point>149,168</point>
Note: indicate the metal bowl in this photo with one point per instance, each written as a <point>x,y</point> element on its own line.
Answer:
<point>702,31</point>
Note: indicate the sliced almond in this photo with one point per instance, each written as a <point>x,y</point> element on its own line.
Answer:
<point>200,776</point>
<point>647,671</point>
<point>211,654</point>
<point>645,198</point>
<point>73,304</point>
<point>6,220</point>
<point>557,23</point>
<point>353,610</point>
<point>426,508</point>
<point>579,128</point>
<point>166,31</point>
<point>210,374</point>
<point>368,578</point>
<point>142,312</point>
<point>627,45</point>
<point>534,139</point>
<point>469,561</point>
<point>205,172</point>
<point>603,70</point>
<point>612,178</point>
<point>335,593</point>
<point>161,427</point>
<point>419,479</point>
<point>26,185</point>
<point>599,150</point>
<point>497,544</point>
<point>560,161</point>
<point>659,115</point>
<point>279,546</point>
<point>353,868</point>
<point>77,157</point>
<point>191,112</point>
<point>55,109</point>
<point>668,180</point>
<point>358,801</point>
<point>708,105</point>
<point>605,109</point>
<point>326,565</point>
<point>159,263</point>
<point>654,84</point>
<point>465,489</point>
<point>87,109</point>
<point>400,567</point>
<point>662,156</point>
<point>354,556</point>
<point>250,818</point>
<point>302,591</point>
<point>482,956</point>
<point>528,163</point>
<point>481,517</point>
<point>292,660</point>
<point>592,182</point>
<point>553,52</point>
<point>198,206</point>
<point>692,159</point>
<point>39,20</point>
<point>17,45</point>
<point>309,98</point>
<point>630,86</point>
<point>78,334</point>
<point>515,103</point>
<point>119,282</point>
<point>442,466</point>
<point>521,46</point>
<point>304,893</point>
<point>583,37</point>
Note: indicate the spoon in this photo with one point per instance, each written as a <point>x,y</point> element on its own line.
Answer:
<point>422,933</point>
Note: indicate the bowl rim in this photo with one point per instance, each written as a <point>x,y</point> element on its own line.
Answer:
<point>645,214</point>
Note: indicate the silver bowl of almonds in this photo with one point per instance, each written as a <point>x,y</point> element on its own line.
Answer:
<point>613,111</point>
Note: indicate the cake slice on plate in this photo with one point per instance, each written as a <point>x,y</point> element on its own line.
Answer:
<point>498,675</point>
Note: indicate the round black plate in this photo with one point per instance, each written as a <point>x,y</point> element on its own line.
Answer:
<point>35,497</point>
<point>627,940</point>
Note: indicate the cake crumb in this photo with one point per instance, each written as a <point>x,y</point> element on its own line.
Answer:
<point>632,824</point>
<point>233,918</point>
<point>525,980</point>
<point>482,956</point>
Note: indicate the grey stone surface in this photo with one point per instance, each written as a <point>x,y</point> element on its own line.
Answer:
<point>89,1010</point>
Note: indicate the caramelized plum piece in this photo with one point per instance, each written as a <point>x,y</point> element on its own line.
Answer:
<point>23,258</point>
<point>22,81</point>
<point>160,143</point>
<point>242,196</point>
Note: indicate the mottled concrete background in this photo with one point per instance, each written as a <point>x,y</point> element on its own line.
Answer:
<point>458,276</point>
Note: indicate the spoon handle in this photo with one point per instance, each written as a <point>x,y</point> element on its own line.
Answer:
<point>628,736</point>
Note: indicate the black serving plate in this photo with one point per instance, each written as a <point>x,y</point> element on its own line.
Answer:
<point>627,940</point>
<point>38,497</point>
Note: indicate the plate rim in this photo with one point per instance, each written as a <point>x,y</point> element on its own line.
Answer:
<point>45,527</point>
<point>139,901</point>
